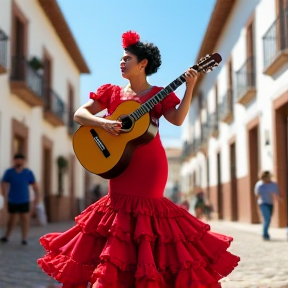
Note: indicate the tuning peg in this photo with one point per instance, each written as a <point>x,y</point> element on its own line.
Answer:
<point>207,70</point>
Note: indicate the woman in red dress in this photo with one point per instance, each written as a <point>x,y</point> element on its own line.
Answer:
<point>134,237</point>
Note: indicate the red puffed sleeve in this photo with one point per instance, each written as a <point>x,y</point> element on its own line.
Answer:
<point>171,101</point>
<point>103,94</point>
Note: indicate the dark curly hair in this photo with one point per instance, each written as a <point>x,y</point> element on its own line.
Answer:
<point>146,51</point>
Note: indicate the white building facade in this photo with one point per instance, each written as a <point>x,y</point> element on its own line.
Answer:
<point>40,66</point>
<point>238,117</point>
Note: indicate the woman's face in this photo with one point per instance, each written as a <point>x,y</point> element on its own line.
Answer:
<point>130,66</point>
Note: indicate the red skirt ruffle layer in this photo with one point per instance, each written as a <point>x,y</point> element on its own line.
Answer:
<point>135,242</point>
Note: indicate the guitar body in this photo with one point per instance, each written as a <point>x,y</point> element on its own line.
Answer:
<point>118,150</point>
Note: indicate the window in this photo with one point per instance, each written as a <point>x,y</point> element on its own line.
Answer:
<point>71,108</point>
<point>19,44</point>
<point>47,80</point>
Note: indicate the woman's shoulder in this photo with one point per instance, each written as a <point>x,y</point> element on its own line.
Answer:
<point>105,91</point>
<point>108,87</point>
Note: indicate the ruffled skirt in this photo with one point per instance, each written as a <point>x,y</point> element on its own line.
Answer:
<point>136,242</point>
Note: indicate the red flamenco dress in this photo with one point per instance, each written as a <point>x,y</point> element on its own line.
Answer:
<point>134,237</point>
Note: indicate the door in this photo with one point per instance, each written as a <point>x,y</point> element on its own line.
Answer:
<point>254,170</point>
<point>219,188</point>
<point>46,182</point>
<point>233,177</point>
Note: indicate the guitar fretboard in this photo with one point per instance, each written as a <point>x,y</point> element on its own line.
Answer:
<point>203,65</point>
<point>149,104</point>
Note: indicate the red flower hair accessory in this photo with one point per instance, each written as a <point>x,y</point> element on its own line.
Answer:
<point>129,38</point>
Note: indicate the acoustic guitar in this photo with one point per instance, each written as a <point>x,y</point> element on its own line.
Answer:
<point>108,156</point>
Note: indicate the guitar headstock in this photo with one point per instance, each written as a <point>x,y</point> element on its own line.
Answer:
<point>207,63</point>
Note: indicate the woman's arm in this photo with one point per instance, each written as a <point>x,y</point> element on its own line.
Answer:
<point>177,116</point>
<point>85,116</point>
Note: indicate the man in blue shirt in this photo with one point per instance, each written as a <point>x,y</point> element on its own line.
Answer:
<point>15,189</point>
<point>266,191</point>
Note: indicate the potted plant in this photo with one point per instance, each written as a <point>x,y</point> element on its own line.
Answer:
<point>35,63</point>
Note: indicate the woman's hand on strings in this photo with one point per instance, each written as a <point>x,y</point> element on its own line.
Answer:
<point>112,127</point>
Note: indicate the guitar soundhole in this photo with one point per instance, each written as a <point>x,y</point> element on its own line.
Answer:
<point>126,123</point>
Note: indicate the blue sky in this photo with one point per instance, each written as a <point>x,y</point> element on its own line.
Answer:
<point>176,27</point>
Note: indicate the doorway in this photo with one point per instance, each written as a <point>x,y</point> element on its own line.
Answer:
<point>253,140</point>
<point>47,176</point>
<point>233,177</point>
<point>219,188</point>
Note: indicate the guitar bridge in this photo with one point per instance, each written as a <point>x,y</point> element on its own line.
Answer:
<point>99,143</point>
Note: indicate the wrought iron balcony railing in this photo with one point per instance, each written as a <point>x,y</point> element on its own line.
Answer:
<point>185,151</point>
<point>188,149</point>
<point>22,71</point>
<point>246,78</point>
<point>213,123</point>
<point>54,104</point>
<point>71,124</point>
<point>197,144</point>
<point>227,106</point>
<point>73,128</point>
<point>3,49</point>
<point>275,39</point>
<point>204,133</point>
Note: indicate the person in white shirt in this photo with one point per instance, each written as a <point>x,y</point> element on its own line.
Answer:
<point>266,191</point>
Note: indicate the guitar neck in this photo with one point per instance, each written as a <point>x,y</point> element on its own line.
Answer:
<point>147,106</point>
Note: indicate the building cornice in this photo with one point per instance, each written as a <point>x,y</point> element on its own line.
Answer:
<point>56,17</point>
<point>219,17</point>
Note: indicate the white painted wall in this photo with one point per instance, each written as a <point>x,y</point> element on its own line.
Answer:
<point>41,35</point>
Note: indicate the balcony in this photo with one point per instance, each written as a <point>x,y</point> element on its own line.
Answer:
<point>72,127</point>
<point>197,145</point>
<point>213,125</point>
<point>25,82</point>
<point>185,150</point>
<point>227,107</point>
<point>275,44</point>
<point>54,109</point>
<point>3,52</point>
<point>204,136</point>
<point>189,150</point>
<point>246,82</point>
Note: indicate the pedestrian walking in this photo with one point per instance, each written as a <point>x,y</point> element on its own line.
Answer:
<point>266,192</point>
<point>15,189</point>
<point>200,203</point>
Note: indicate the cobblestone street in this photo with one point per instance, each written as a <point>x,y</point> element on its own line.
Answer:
<point>18,263</point>
<point>263,264</point>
